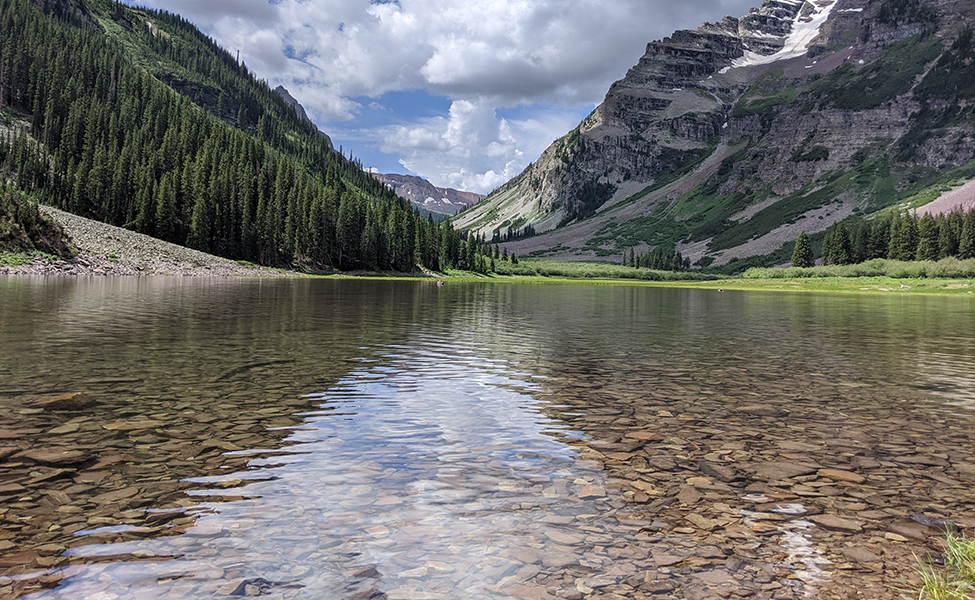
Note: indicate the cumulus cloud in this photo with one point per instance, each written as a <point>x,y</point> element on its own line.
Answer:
<point>481,54</point>
<point>473,147</point>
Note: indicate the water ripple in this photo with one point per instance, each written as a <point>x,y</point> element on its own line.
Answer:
<point>434,470</point>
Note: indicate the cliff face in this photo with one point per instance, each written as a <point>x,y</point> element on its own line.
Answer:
<point>729,139</point>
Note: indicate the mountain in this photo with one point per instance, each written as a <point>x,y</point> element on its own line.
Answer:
<point>422,193</point>
<point>293,103</point>
<point>133,117</point>
<point>726,141</point>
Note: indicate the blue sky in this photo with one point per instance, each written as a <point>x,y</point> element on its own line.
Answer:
<point>463,92</point>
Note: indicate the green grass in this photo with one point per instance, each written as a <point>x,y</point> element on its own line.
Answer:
<point>763,106</point>
<point>843,285</point>
<point>592,270</point>
<point>14,259</point>
<point>947,268</point>
<point>883,80</point>
<point>956,581</point>
<point>18,259</point>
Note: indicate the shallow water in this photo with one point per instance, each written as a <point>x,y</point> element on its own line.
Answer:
<point>348,439</point>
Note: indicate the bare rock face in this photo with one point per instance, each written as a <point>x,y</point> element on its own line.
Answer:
<point>293,102</point>
<point>718,139</point>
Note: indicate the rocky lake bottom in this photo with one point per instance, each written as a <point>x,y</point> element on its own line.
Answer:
<point>166,438</point>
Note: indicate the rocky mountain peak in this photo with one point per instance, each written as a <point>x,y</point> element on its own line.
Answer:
<point>422,193</point>
<point>727,139</point>
<point>291,101</point>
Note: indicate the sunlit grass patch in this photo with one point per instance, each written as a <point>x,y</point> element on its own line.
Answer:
<point>954,581</point>
<point>14,259</point>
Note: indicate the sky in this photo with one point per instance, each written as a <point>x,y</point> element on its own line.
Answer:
<point>465,93</point>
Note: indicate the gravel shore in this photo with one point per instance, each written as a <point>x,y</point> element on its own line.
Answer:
<point>108,250</point>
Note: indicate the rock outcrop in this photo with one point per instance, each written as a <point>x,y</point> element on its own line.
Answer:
<point>293,102</point>
<point>723,140</point>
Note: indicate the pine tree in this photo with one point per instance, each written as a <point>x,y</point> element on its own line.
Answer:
<point>927,244</point>
<point>879,243</point>
<point>836,246</point>
<point>802,256</point>
<point>903,238</point>
<point>966,244</point>
<point>950,233</point>
<point>829,247</point>
<point>166,209</point>
<point>844,249</point>
<point>200,225</point>
<point>860,242</point>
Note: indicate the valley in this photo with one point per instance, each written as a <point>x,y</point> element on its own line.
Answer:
<point>716,341</point>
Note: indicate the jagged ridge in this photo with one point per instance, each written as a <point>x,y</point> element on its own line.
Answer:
<point>425,195</point>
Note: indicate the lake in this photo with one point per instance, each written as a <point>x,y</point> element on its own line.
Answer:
<point>197,438</point>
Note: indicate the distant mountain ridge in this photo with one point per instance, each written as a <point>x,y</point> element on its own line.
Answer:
<point>725,141</point>
<point>424,194</point>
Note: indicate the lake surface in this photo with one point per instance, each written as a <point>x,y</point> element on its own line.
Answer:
<point>197,438</point>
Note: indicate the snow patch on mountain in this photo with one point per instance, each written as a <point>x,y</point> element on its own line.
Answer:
<point>805,29</point>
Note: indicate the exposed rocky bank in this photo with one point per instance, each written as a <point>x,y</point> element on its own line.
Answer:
<point>109,250</point>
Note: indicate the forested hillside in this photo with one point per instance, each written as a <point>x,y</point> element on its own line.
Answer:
<point>135,118</point>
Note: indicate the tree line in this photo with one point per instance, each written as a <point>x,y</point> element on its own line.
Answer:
<point>904,237</point>
<point>660,259</point>
<point>479,256</point>
<point>512,235</point>
<point>103,138</point>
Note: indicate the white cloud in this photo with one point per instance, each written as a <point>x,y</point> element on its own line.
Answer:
<point>481,54</point>
<point>473,148</point>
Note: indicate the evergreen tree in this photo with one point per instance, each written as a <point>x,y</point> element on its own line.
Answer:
<point>966,243</point>
<point>903,238</point>
<point>927,243</point>
<point>950,233</point>
<point>677,261</point>
<point>802,256</point>
<point>836,246</point>
<point>879,239</point>
<point>860,242</point>
<point>166,208</point>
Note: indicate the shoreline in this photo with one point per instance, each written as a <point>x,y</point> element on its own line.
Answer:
<point>843,285</point>
<point>106,250</point>
<point>109,251</point>
<point>89,265</point>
